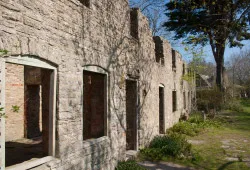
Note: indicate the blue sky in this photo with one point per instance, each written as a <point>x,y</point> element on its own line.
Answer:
<point>208,53</point>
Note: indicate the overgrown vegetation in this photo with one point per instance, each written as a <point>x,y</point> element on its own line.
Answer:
<point>129,165</point>
<point>194,126</point>
<point>173,145</point>
<point>218,143</point>
<point>224,148</point>
<point>233,105</point>
<point>209,99</point>
<point>213,100</point>
<point>3,52</point>
<point>2,114</point>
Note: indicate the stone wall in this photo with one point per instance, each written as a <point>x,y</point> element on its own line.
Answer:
<point>156,70</point>
<point>71,36</point>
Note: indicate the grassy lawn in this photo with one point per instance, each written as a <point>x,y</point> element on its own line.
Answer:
<point>226,147</point>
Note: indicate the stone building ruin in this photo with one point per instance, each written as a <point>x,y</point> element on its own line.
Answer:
<point>84,82</point>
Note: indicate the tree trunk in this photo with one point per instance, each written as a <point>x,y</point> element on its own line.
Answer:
<point>219,58</point>
<point>219,75</point>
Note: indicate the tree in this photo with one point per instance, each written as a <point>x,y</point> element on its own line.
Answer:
<point>239,67</point>
<point>213,22</point>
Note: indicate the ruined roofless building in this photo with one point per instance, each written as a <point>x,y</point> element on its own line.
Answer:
<point>83,83</point>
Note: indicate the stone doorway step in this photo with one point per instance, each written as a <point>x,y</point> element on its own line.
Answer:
<point>131,154</point>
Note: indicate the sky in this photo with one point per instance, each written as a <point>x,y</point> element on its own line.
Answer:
<point>207,49</point>
<point>208,53</point>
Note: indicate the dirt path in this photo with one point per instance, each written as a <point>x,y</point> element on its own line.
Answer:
<point>162,166</point>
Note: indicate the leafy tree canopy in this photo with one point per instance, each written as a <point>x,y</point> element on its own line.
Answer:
<point>210,19</point>
<point>216,22</point>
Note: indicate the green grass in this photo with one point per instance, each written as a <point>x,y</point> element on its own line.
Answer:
<point>226,148</point>
<point>219,144</point>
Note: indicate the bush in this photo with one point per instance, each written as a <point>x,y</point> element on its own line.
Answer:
<point>234,106</point>
<point>196,118</point>
<point>211,124</point>
<point>151,153</point>
<point>177,146</point>
<point>129,165</point>
<point>196,157</point>
<point>209,99</point>
<point>193,126</point>
<point>186,128</point>
<point>174,145</point>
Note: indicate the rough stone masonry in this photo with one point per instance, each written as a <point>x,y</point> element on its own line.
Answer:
<point>90,43</point>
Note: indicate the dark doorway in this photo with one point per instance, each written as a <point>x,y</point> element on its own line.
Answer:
<point>188,101</point>
<point>184,100</point>
<point>94,105</point>
<point>161,110</point>
<point>131,114</point>
<point>174,101</point>
<point>33,127</point>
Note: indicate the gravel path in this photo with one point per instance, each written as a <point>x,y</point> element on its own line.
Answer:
<point>162,166</point>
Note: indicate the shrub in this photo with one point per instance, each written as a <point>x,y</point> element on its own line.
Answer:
<point>209,99</point>
<point>186,128</point>
<point>196,118</point>
<point>151,153</point>
<point>211,124</point>
<point>194,125</point>
<point>174,145</point>
<point>129,165</point>
<point>177,146</point>
<point>234,106</point>
<point>196,157</point>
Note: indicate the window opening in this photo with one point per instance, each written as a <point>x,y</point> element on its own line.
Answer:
<point>159,56</point>
<point>173,60</point>
<point>183,71</point>
<point>94,109</point>
<point>134,23</point>
<point>85,2</point>
<point>174,99</point>
<point>27,104</point>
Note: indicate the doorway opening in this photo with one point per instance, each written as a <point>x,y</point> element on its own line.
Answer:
<point>174,101</point>
<point>131,114</point>
<point>161,110</point>
<point>29,106</point>
<point>184,100</point>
